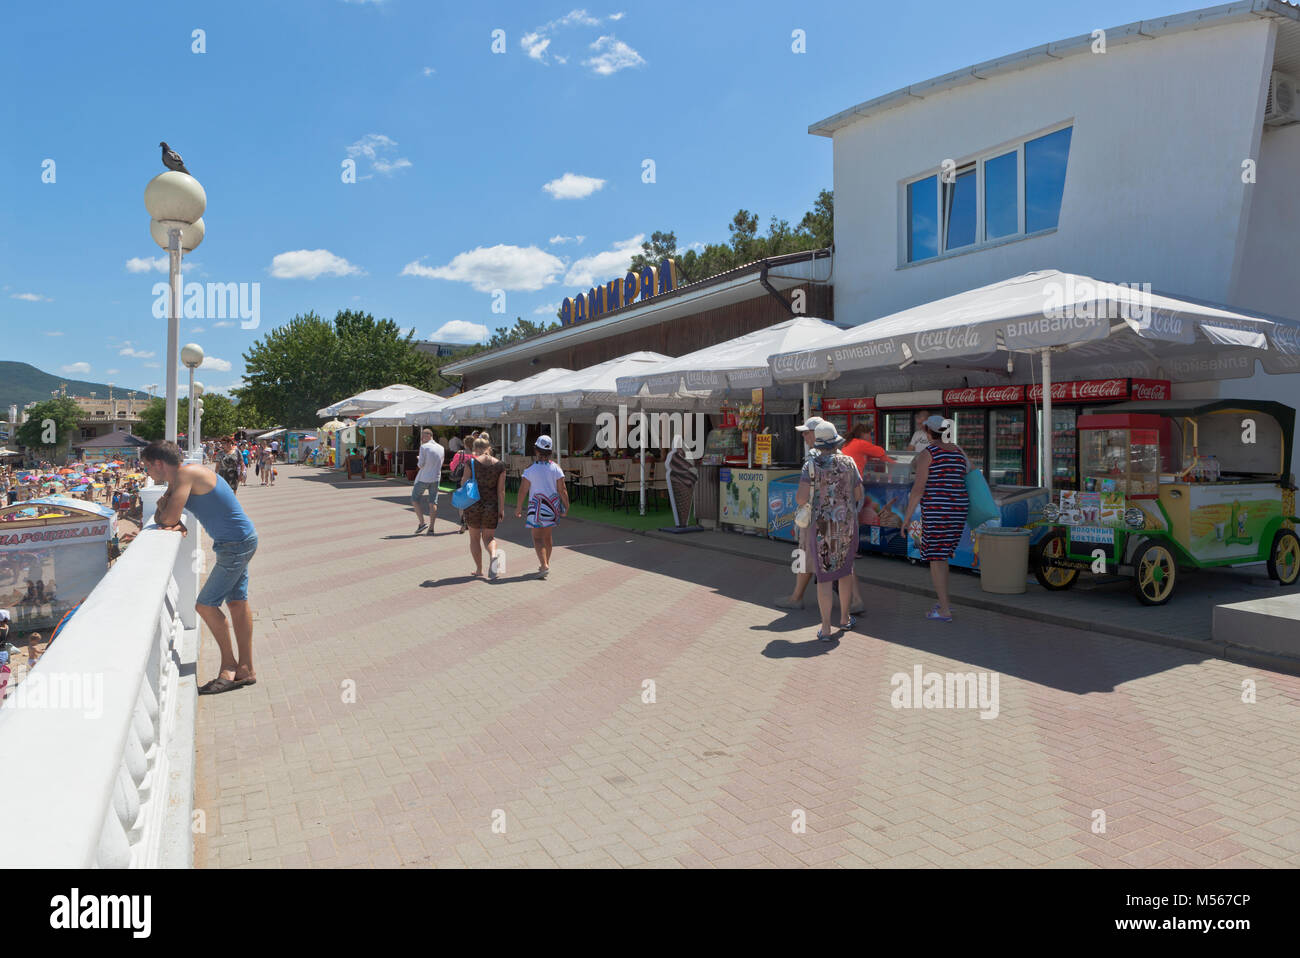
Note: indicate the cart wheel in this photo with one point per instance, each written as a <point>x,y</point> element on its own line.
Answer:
<point>1284,558</point>
<point>1053,578</point>
<point>1154,573</point>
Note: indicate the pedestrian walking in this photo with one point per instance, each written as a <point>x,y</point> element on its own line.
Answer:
<point>429,471</point>
<point>457,470</point>
<point>940,489</point>
<point>807,537</point>
<point>830,482</point>
<point>542,488</point>
<point>234,540</point>
<point>482,517</point>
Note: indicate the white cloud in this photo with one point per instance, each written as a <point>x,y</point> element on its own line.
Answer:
<point>32,297</point>
<point>537,44</point>
<point>111,372</point>
<point>605,266</point>
<point>524,268</point>
<point>566,239</point>
<point>75,368</point>
<point>143,264</point>
<point>212,362</point>
<point>153,365</point>
<point>611,56</point>
<point>573,186</point>
<point>459,331</point>
<point>198,329</point>
<point>52,332</point>
<point>548,309</point>
<point>310,264</point>
<point>222,324</point>
<point>381,151</point>
<point>429,71</point>
<point>136,353</point>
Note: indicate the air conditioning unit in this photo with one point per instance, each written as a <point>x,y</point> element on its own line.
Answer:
<point>1282,106</point>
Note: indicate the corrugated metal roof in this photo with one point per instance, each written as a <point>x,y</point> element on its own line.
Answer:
<point>1286,58</point>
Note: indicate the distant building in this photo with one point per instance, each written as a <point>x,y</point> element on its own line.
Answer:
<point>102,416</point>
<point>439,350</point>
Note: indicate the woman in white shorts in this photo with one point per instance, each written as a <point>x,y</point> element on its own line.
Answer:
<point>543,489</point>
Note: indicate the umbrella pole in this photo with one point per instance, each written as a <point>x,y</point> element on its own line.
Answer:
<point>642,411</point>
<point>557,432</point>
<point>807,413</point>
<point>1045,440</point>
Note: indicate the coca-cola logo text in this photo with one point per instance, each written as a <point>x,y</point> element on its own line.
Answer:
<point>799,363</point>
<point>1150,390</point>
<point>947,340</point>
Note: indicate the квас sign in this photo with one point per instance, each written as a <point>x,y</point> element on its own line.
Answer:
<point>650,282</point>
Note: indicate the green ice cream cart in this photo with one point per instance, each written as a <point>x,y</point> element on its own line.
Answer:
<point>1175,484</point>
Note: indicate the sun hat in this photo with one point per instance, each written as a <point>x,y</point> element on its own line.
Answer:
<point>938,423</point>
<point>544,442</point>
<point>811,424</point>
<point>827,436</point>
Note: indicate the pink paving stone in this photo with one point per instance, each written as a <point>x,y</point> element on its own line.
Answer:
<point>796,732</point>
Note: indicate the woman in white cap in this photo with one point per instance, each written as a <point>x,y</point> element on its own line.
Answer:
<point>832,484</point>
<point>940,489</point>
<point>542,487</point>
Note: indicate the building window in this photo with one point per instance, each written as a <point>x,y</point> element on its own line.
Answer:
<point>1013,191</point>
<point>122,415</point>
<point>922,220</point>
<point>959,209</point>
<point>1045,160</point>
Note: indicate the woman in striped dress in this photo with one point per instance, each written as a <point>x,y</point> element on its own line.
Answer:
<point>940,489</point>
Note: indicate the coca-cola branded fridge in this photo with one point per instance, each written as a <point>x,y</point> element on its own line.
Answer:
<point>847,413</point>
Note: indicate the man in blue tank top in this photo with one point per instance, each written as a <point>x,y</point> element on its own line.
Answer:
<point>234,540</point>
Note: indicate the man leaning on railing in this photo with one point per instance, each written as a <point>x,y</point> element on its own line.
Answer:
<point>234,540</point>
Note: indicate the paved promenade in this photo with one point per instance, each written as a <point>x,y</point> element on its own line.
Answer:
<point>405,713</point>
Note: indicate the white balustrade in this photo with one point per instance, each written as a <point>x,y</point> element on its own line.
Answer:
<point>97,742</point>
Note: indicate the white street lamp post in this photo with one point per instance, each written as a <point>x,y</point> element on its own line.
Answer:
<point>192,357</point>
<point>176,202</point>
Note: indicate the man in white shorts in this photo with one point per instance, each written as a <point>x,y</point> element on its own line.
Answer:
<point>429,464</point>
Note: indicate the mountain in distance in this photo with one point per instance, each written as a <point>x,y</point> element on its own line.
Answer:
<point>22,383</point>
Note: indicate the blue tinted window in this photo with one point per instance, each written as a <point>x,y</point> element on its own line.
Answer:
<point>959,209</point>
<point>1045,160</point>
<point>1001,217</point>
<point>922,219</point>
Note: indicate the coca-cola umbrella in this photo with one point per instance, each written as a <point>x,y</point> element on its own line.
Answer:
<point>1080,326</point>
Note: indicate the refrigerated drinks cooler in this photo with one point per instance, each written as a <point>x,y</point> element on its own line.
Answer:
<point>847,413</point>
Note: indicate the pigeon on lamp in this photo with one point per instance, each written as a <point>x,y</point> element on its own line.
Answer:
<point>172,160</point>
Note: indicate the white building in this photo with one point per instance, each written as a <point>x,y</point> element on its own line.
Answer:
<point>1151,162</point>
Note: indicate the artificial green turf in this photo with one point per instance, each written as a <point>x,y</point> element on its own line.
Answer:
<point>601,512</point>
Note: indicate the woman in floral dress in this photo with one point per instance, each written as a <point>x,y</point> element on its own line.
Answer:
<point>832,483</point>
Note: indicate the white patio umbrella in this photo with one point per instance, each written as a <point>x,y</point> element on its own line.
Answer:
<point>1079,326</point>
<point>452,411</point>
<point>394,416</point>
<point>372,399</point>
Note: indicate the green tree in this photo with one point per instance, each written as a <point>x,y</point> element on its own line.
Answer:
<point>153,420</point>
<point>310,362</point>
<point>819,222</point>
<point>660,247</point>
<point>63,413</point>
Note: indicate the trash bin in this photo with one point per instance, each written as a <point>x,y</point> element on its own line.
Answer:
<point>1004,560</point>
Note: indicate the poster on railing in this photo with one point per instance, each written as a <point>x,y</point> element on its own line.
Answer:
<point>53,552</point>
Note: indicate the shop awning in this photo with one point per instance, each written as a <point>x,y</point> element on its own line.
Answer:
<point>1095,330</point>
<point>734,366</point>
<point>372,400</point>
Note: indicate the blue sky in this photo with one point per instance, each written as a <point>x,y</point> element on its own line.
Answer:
<point>475,170</point>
